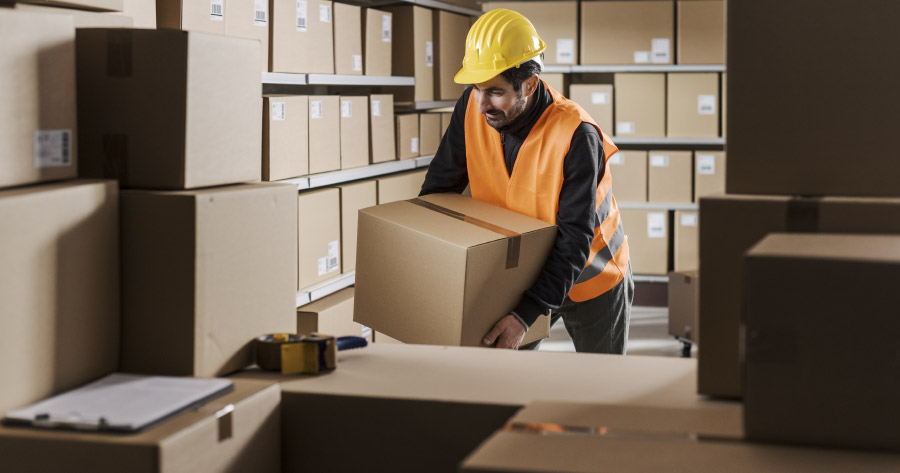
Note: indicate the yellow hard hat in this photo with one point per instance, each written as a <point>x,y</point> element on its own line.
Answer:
<point>499,40</point>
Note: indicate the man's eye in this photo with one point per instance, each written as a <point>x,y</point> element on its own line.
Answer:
<point>497,93</point>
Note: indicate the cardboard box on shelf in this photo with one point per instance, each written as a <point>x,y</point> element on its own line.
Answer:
<point>354,131</point>
<point>238,431</point>
<point>557,82</point>
<point>319,239</point>
<point>408,136</point>
<point>625,32</point>
<point>709,173</point>
<point>354,196</point>
<point>429,133</point>
<point>377,37</point>
<point>400,186</point>
<point>285,137</point>
<point>684,302</point>
<point>597,100</point>
<point>59,321</point>
<point>324,133</point>
<point>155,122</point>
<point>669,176</point>
<point>302,36</point>
<point>701,32</point>
<point>249,19</point>
<point>204,272</point>
<point>629,173</point>
<point>418,247</point>
<point>412,48</point>
<point>557,24</point>
<point>348,49</point>
<point>332,315</point>
<point>792,331</point>
<point>687,240</point>
<point>693,105</point>
<point>450,32</point>
<point>37,87</point>
<point>732,224</point>
<point>191,15</point>
<point>445,122</point>
<point>381,129</point>
<point>648,239</point>
<point>640,104</point>
<point>142,11</point>
<point>82,18</point>
<point>91,5</point>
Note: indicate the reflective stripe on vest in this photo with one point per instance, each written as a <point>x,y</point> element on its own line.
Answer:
<point>536,181</point>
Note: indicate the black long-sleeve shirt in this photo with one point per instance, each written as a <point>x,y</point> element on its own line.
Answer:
<point>575,220</point>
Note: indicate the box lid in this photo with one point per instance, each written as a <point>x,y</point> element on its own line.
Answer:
<point>821,246</point>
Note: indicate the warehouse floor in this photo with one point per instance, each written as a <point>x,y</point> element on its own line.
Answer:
<point>648,335</point>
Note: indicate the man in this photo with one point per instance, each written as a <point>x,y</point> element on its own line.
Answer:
<point>521,145</point>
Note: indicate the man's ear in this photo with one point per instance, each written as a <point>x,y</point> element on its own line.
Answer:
<point>530,85</point>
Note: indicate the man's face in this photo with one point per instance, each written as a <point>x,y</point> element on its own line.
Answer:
<point>498,102</point>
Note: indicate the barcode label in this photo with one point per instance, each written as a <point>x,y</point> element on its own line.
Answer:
<point>656,225</point>
<point>278,111</point>
<point>706,164</point>
<point>216,10</point>
<point>334,248</point>
<point>52,148</point>
<point>325,13</point>
<point>357,62</point>
<point>565,50</point>
<point>689,220</point>
<point>333,262</point>
<point>260,12</point>
<point>376,108</point>
<point>617,159</point>
<point>625,128</point>
<point>429,54</point>
<point>599,98</point>
<point>660,50</point>
<point>386,28</point>
<point>659,160</point>
<point>315,109</point>
<point>301,15</point>
<point>346,109</point>
<point>414,145</point>
<point>706,104</point>
<point>641,57</point>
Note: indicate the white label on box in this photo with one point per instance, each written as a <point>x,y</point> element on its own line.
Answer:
<point>599,98</point>
<point>706,104</point>
<point>334,248</point>
<point>278,111</point>
<point>656,225</point>
<point>323,265</point>
<point>301,15</point>
<point>52,148</point>
<point>325,13</point>
<point>356,59</point>
<point>659,160</point>
<point>625,128</point>
<point>346,109</point>
<point>429,54</point>
<point>617,159</point>
<point>260,12</point>
<point>315,109</point>
<point>414,145</point>
<point>565,50</point>
<point>688,220</point>
<point>661,50</point>
<point>386,28</point>
<point>333,263</point>
<point>376,108</point>
<point>217,10</point>
<point>706,164</point>
<point>641,57</point>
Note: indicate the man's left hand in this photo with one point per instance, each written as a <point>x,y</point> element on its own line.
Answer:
<point>507,333</point>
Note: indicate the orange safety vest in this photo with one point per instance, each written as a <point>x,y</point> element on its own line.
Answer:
<point>537,179</point>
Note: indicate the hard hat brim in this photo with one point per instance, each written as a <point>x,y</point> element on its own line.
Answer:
<point>474,77</point>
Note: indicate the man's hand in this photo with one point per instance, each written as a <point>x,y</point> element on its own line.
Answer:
<point>508,333</point>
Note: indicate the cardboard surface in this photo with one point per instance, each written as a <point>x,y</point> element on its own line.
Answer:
<point>669,176</point>
<point>400,186</point>
<point>93,5</point>
<point>408,144</point>
<point>648,239</point>
<point>445,123</point>
<point>142,11</point>
<point>285,137</point>
<point>556,23</point>
<point>557,82</point>
<point>191,15</point>
<point>377,37</point>
<point>348,57</point>
<point>687,240</point>
<point>429,133</point>
<point>319,236</point>
<point>82,18</point>
<point>407,250</point>
<point>354,196</point>
<point>640,104</point>
<point>701,31</point>
<point>59,321</point>
<point>249,19</point>
<point>684,300</point>
<point>205,272</point>
<point>629,172</point>
<point>709,173</point>
<point>308,48</point>
<point>381,128</point>
<point>627,32</point>
<point>798,388</point>
<point>324,133</point>
<point>204,439</point>
<point>597,100</point>
<point>693,105</point>
<point>412,48</point>
<point>354,131</point>
<point>37,88</point>
<point>332,315</point>
<point>154,121</point>
<point>450,32</point>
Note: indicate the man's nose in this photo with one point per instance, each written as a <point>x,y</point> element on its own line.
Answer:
<point>484,103</point>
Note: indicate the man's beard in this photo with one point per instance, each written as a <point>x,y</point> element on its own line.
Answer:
<point>504,119</point>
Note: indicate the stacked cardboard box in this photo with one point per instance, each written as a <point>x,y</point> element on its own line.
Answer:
<point>81,18</point>
<point>623,32</point>
<point>556,23</point>
<point>413,52</point>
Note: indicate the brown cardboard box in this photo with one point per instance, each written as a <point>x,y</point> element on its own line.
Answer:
<point>59,321</point>
<point>684,302</point>
<point>809,147</point>
<point>382,338</point>
<point>445,122</point>
<point>354,196</point>
<point>319,236</point>
<point>142,11</point>
<point>731,225</point>
<point>400,186</point>
<point>285,137</point>
<point>431,406</point>
<point>155,122</point>
<point>332,315</point>
<point>429,133</point>
<point>250,19</point>
<point>381,129</point>
<point>701,32</point>
<point>412,49</point>
<point>640,103</point>
<point>627,32</point>
<point>348,57</point>
<point>792,332</point>
<point>648,239</point>
<point>557,82</point>
<point>308,48</point>
<point>377,42</point>
<point>238,431</point>
<point>191,15</point>
<point>93,5</point>
<point>406,250</point>
<point>408,136</point>
<point>324,133</point>
<point>450,32</point>
<point>687,240</point>
<point>203,273</point>
<point>37,89</point>
<point>354,131</point>
<point>557,24</point>
<point>709,173</point>
<point>629,173</point>
<point>597,100</point>
<point>669,176</point>
<point>82,18</point>
<point>692,110</point>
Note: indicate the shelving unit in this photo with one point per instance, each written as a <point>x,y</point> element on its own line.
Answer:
<point>622,140</point>
<point>658,205</point>
<point>313,181</point>
<point>608,69</point>
<point>412,106</point>
<point>650,278</point>
<point>285,82</point>
<point>325,288</point>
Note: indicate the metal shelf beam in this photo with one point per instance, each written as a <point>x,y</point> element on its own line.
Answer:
<point>313,181</point>
<point>657,205</point>
<point>325,288</point>
<point>623,140</point>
